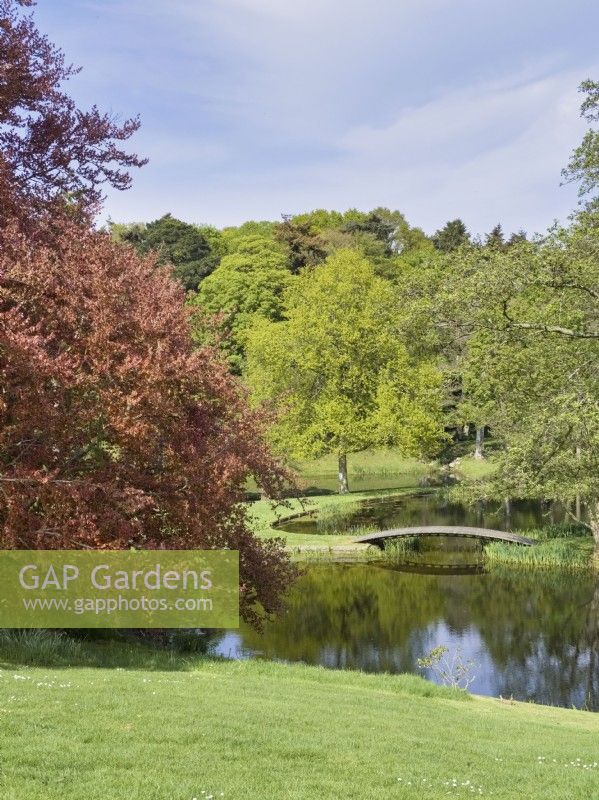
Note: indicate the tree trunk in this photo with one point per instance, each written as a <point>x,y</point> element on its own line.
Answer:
<point>578,502</point>
<point>343,482</point>
<point>507,506</point>
<point>594,520</point>
<point>480,438</point>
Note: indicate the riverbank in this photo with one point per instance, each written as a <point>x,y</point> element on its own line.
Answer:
<point>264,517</point>
<point>374,475</point>
<point>573,552</point>
<point>165,726</point>
<point>333,513</point>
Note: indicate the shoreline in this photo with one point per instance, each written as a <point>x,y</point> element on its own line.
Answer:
<point>267,523</point>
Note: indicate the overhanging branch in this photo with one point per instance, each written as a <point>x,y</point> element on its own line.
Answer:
<point>557,329</point>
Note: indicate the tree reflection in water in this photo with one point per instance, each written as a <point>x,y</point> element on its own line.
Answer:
<point>534,636</point>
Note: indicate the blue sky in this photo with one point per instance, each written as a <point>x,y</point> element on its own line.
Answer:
<point>253,108</point>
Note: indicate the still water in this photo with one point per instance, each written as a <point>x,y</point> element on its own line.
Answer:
<point>531,636</point>
<point>430,509</point>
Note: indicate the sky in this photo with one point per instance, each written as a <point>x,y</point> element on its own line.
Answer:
<point>255,108</point>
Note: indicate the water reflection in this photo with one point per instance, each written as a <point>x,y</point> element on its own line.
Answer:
<point>435,509</point>
<point>532,636</point>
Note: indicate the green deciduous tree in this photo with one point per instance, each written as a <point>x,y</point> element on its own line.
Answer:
<point>337,371</point>
<point>377,225</point>
<point>232,236</point>
<point>249,282</point>
<point>583,167</point>
<point>532,361</point>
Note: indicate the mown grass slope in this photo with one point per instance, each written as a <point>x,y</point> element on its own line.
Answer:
<point>266,731</point>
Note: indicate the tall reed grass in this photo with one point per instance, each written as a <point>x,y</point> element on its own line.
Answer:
<point>335,517</point>
<point>39,647</point>
<point>398,548</point>
<point>573,553</point>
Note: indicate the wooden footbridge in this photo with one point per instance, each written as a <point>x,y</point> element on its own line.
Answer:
<point>378,539</point>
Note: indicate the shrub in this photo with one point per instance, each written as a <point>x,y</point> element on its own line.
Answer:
<point>563,530</point>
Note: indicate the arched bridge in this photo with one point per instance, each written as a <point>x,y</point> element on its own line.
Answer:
<point>378,539</point>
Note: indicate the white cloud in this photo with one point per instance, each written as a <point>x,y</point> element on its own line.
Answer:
<point>338,103</point>
<point>292,67</point>
<point>487,153</point>
<point>433,163</point>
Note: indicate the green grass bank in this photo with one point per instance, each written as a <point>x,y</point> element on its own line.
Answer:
<point>170,728</point>
<point>571,552</point>
<point>369,472</point>
<point>264,516</point>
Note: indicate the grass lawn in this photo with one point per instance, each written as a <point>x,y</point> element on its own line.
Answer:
<point>376,467</point>
<point>368,470</point>
<point>369,462</point>
<point>475,469</point>
<point>381,464</point>
<point>263,516</point>
<point>372,473</point>
<point>265,731</point>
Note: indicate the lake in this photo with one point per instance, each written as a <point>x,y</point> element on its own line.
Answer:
<point>530,636</point>
<point>429,509</point>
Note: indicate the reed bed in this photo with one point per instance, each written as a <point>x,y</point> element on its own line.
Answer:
<point>573,553</point>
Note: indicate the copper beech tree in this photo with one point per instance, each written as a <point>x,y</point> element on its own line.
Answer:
<point>50,149</point>
<point>114,432</point>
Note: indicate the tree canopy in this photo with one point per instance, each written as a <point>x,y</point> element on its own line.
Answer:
<point>305,247</point>
<point>115,431</point>
<point>123,425</point>
<point>531,359</point>
<point>583,167</point>
<point>453,235</point>
<point>337,371</point>
<point>50,150</point>
<point>176,243</point>
<point>249,282</point>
